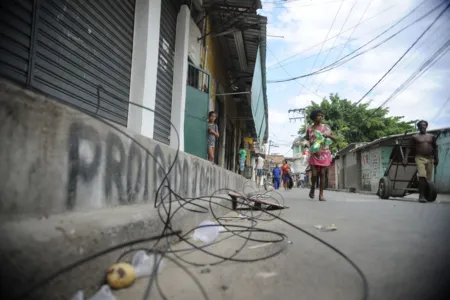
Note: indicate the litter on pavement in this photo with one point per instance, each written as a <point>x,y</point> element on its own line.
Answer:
<point>103,294</point>
<point>259,246</point>
<point>331,227</point>
<point>144,264</point>
<point>206,232</point>
<point>266,274</point>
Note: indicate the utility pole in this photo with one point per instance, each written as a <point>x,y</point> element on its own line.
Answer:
<point>271,144</point>
<point>298,114</point>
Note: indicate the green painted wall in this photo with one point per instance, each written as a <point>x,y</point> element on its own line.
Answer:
<point>195,122</point>
<point>442,179</point>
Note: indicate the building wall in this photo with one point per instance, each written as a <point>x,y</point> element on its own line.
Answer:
<point>352,171</point>
<point>442,179</point>
<point>340,172</point>
<point>296,151</point>
<point>213,62</point>
<point>257,100</point>
<point>195,46</point>
<point>370,169</point>
<point>65,161</point>
<point>332,176</point>
<point>144,66</point>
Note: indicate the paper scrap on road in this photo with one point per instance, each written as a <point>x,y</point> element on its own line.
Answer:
<point>259,246</point>
<point>266,274</point>
<point>331,227</point>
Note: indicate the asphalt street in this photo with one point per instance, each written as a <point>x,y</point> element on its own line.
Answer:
<point>401,246</point>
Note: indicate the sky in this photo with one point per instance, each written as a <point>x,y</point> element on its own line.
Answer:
<point>306,35</point>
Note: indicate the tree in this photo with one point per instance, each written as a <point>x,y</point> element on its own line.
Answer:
<point>356,123</point>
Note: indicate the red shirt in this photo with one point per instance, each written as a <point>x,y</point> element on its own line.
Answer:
<point>285,168</point>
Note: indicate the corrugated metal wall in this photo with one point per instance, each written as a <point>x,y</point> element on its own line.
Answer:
<point>79,52</point>
<point>163,105</point>
<point>16,18</point>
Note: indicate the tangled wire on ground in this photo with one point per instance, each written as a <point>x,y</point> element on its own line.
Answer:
<point>165,200</point>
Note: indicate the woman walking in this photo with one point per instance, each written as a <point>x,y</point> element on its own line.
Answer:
<point>286,177</point>
<point>213,133</point>
<point>320,160</point>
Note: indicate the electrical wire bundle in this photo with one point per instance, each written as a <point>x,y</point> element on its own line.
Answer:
<point>352,55</point>
<point>169,204</point>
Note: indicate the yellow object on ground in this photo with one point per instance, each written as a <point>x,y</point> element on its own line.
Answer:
<point>120,275</point>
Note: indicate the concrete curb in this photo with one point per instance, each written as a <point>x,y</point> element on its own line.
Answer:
<point>37,248</point>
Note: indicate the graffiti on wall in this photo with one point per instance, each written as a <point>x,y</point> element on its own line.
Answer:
<point>120,171</point>
<point>370,168</point>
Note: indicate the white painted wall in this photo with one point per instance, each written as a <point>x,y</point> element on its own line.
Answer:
<point>180,77</point>
<point>144,66</point>
<point>194,43</point>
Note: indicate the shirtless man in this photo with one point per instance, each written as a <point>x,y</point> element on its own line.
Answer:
<point>426,156</point>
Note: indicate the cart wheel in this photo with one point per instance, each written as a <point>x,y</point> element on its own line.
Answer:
<point>384,188</point>
<point>431,193</point>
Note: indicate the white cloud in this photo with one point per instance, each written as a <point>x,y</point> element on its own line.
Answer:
<point>277,117</point>
<point>306,26</point>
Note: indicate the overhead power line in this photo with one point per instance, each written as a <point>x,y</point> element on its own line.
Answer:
<point>288,74</point>
<point>312,47</point>
<point>283,4</point>
<point>404,54</point>
<point>349,56</point>
<point>335,40</point>
<point>328,33</point>
<point>436,116</point>
<point>423,69</point>
<point>349,38</point>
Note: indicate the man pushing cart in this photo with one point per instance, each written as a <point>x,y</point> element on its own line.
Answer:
<point>416,176</point>
<point>426,156</point>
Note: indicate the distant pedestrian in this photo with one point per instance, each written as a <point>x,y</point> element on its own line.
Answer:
<point>213,134</point>
<point>259,169</point>
<point>302,179</point>
<point>286,169</point>
<point>242,158</point>
<point>321,159</point>
<point>276,177</point>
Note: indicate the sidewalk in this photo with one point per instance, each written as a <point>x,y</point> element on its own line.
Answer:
<point>441,198</point>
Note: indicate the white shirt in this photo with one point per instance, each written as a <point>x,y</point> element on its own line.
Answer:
<point>260,163</point>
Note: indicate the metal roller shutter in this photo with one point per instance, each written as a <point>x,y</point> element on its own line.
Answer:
<point>82,45</point>
<point>163,105</point>
<point>16,18</point>
<point>81,51</point>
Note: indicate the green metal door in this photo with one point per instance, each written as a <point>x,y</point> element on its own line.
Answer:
<point>196,112</point>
